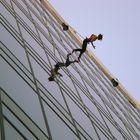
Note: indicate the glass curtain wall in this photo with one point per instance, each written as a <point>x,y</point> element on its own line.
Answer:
<point>81,105</point>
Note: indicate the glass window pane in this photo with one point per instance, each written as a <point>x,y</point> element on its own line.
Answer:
<point>39,7</point>
<point>40,25</point>
<point>22,4</point>
<point>68,81</point>
<point>17,124</point>
<point>24,17</point>
<point>11,133</point>
<point>27,36</point>
<point>19,68</point>
<point>33,44</point>
<point>58,55</point>
<point>12,44</point>
<point>32,5</point>
<point>82,71</point>
<point>136,131</point>
<point>52,87</point>
<point>20,92</point>
<point>6,14</point>
<point>96,95</point>
<point>53,30</point>
<point>45,41</point>
<point>83,120</point>
<point>39,21</point>
<point>59,130</point>
<point>103,136</point>
<point>8,1</point>
<point>114,131</point>
<point>91,107</point>
<point>46,16</point>
<point>73,70</point>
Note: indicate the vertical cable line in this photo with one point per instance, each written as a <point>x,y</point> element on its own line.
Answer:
<point>27,55</point>
<point>103,90</point>
<point>97,108</point>
<point>62,91</point>
<point>35,24</point>
<point>69,110</point>
<point>79,104</point>
<point>59,105</point>
<point>68,38</point>
<point>24,113</point>
<point>84,106</point>
<point>44,23</point>
<point>66,102</point>
<point>82,101</point>
<point>63,94</point>
<point>114,101</point>
<point>91,97</point>
<point>41,43</point>
<point>27,28</point>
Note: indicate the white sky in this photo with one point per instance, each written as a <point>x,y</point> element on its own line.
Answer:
<point>119,22</point>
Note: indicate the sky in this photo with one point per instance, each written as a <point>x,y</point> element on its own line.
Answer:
<point>119,22</point>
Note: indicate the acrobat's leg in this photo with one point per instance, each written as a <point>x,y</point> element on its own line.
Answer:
<point>59,64</point>
<point>75,50</point>
<point>80,55</point>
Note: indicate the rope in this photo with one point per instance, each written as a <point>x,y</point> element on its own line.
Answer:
<point>79,35</point>
<point>76,32</point>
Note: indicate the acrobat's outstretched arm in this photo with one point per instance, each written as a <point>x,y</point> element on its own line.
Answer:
<point>93,45</point>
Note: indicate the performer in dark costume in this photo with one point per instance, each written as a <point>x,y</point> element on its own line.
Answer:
<point>55,72</point>
<point>85,42</point>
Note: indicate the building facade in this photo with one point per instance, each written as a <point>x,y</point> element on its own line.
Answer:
<point>81,105</point>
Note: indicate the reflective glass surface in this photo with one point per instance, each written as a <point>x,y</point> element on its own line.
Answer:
<point>82,104</point>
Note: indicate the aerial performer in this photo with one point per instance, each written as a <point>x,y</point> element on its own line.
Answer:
<point>91,39</point>
<point>54,72</point>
